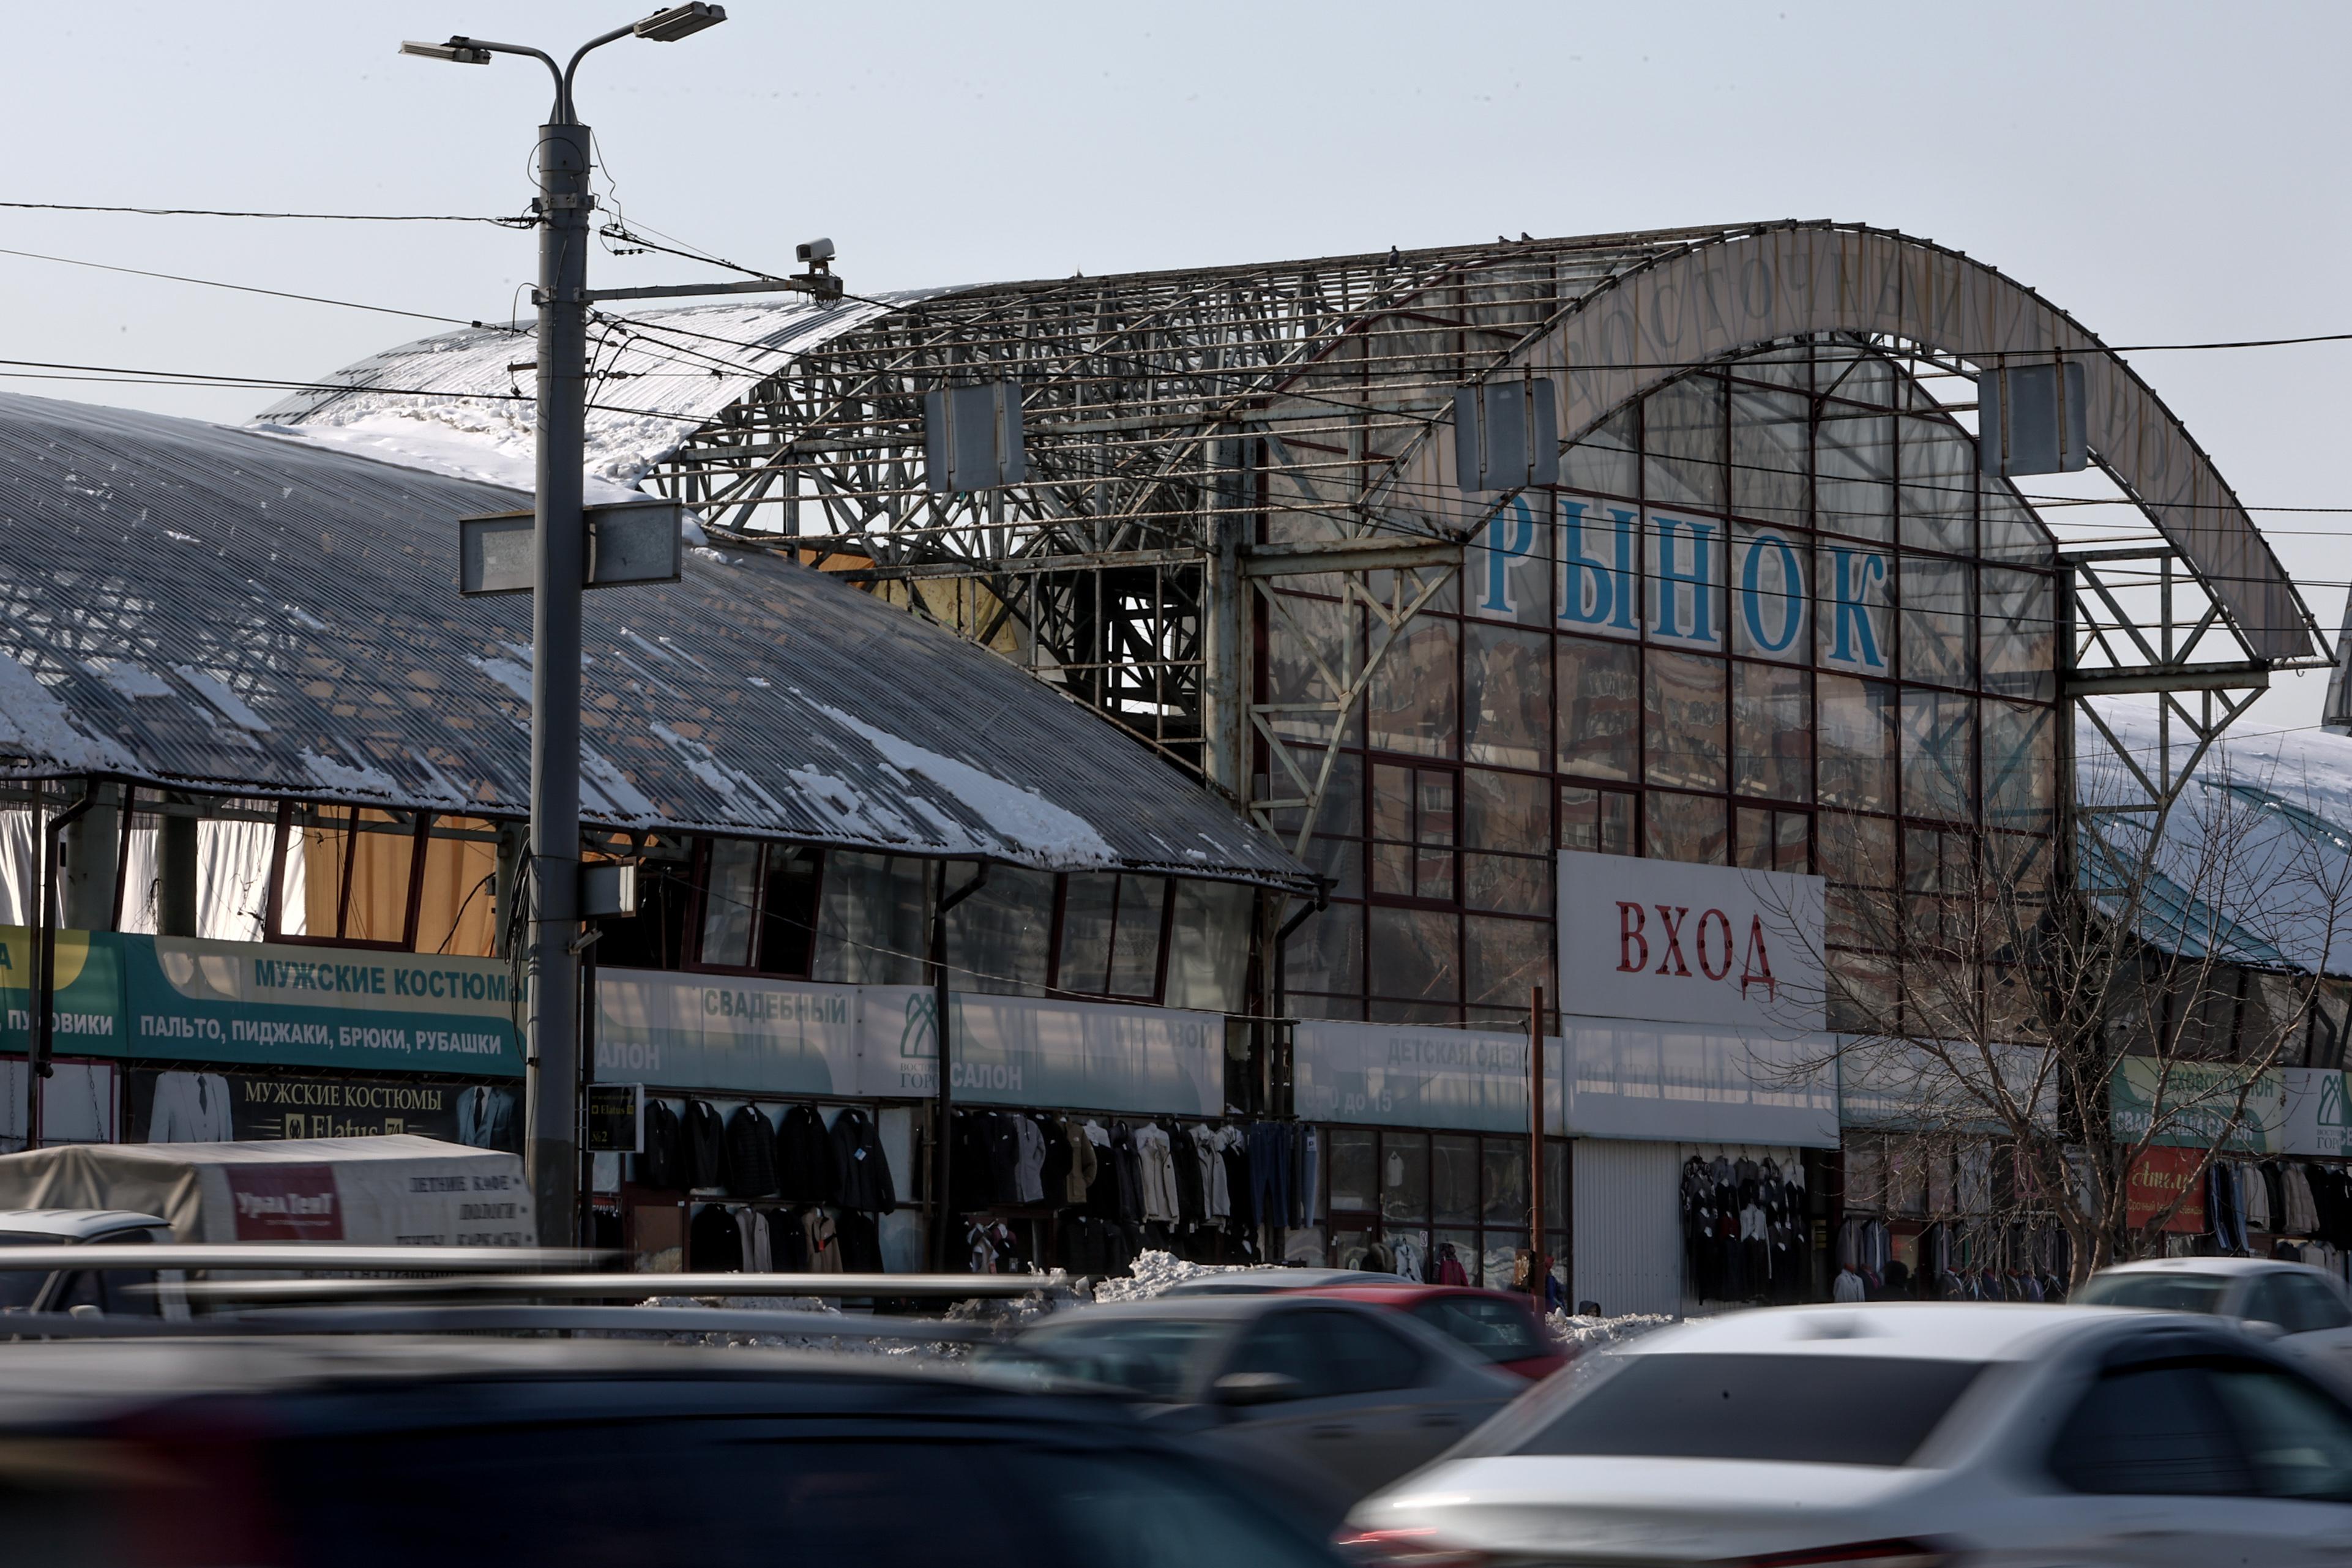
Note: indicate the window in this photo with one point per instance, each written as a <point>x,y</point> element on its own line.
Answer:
<point>1000,939</point>
<point>1600,820</point>
<point>759,907</point>
<point>1414,832</point>
<point>1790,1409</point>
<point>1498,1330</point>
<point>873,919</point>
<point>1332,1353</point>
<point>1208,954</point>
<point>1683,709</point>
<point>1111,927</point>
<point>2311,1304</point>
<point>1771,732</point>
<point>2150,1431</point>
<point>352,872</point>
<point>2297,1439</point>
<point>1600,716</point>
<point>2164,1291</point>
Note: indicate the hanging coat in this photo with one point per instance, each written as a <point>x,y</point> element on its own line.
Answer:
<point>705,1143</point>
<point>750,1154</point>
<point>865,1182</point>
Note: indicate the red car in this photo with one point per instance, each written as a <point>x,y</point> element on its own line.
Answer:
<point>1496,1325</point>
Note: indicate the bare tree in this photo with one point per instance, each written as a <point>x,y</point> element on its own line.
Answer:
<point>2074,1020</point>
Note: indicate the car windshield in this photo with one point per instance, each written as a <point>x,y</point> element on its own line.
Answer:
<point>1802,1409</point>
<point>2166,1292</point>
<point>18,1286</point>
<point>1498,1331</point>
<point>1150,1356</point>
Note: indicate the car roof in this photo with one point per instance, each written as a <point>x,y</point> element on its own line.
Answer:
<point>2208,1265</point>
<point>46,1384</point>
<point>1926,1331</point>
<point>1405,1292</point>
<point>74,1224</point>
<point>1257,1281</point>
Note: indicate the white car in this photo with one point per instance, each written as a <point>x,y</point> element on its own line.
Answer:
<point>1898,1435</point>
<point>2305,1309</point>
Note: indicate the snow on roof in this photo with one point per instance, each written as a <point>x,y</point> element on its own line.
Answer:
<point>461,403</point>
<point>2255,866</point>
<point>191,606</point>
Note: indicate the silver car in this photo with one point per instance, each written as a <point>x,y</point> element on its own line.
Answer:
<point>1899,1436</point>
<point>2304,1311</point>
<point>1352,1396</point>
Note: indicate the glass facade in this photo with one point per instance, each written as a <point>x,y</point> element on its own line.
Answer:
<point>1771,617</point>
<point>1432,1192</point>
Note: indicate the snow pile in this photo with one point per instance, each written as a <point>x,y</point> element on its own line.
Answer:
<point>1588,1333</point>
<point>1155,1272</point>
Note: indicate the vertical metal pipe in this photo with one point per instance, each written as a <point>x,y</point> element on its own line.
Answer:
<point>43,1040</point>
<point>943,1094</point>
<point>552,1153</point>
<point>1537,1267</point>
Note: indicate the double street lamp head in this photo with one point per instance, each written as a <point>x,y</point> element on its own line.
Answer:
<point>459,51</point>
<point>667,26</point>
<point>675,22</point>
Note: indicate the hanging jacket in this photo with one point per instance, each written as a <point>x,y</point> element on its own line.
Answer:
<point>750,1154</point>
<point>1028,1160</point>
<point>715,1242</point>
<point>1077,1183</point>
<point>1054,1179</point>
<point>1127,1170</point>
<point>705,1141</point>
<point>661,1166</point>
<point>865,1182</point>
<point>807,1169</point>
<point>820,1241</point>
<point>1449,1266</point>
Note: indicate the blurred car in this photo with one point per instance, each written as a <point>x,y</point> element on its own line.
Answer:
<point>366,1453</point>
<point>36,1290</point>
<point>1355,1394</point>
<point>1497,1327</point>
<point>1890,1435</point>
<point>1263,1281</point>
<point>2306,1311</point>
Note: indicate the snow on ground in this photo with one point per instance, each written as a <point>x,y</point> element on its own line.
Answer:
<point>1590,1334</point>
<point>1155,1272</point>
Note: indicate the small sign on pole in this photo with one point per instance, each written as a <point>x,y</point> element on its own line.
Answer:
<point>617,1118</point>
<point>628,542</point>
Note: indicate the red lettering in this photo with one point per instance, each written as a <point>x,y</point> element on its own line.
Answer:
<point>1630,922</point>
<point>1723,922</point>
<point>1674,919</point>
<point>1756,969</point>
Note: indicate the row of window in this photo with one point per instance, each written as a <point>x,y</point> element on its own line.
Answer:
<point>1432,1192</point>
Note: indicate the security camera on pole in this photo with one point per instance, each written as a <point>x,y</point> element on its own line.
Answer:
<point>563,562</point>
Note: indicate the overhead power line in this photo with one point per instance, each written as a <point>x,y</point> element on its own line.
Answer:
<point>526,220</point>
<point>252,289</point>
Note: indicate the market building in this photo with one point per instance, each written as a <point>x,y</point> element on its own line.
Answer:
<point>1635,617</point>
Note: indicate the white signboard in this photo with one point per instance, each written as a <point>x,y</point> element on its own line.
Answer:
<point>1018,1050</point>
<point>2318,1112</point>
<point>1701,944</point>
<point>1400,1075</point>
<point>724,1031</point>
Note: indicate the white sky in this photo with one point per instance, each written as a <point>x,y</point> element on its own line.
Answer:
<point>2166,172</point>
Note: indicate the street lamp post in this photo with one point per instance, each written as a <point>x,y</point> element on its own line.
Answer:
<point>552,1135</point>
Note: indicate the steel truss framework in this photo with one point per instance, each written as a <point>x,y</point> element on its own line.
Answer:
<point>1196,438</point>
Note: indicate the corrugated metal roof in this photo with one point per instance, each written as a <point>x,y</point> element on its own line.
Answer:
<point>192,605</point>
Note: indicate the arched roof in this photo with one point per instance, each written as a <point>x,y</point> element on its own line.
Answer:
<point>1610,316</point>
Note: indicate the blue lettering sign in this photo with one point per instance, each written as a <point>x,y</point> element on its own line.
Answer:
<point>1503,547</point>
<point>1852,573</point>
<point>1596,593</point>
<point>1753,598</point>
<point>1677,586</point>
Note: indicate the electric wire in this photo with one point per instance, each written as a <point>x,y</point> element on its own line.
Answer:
<point>250,289</point>
<point>525,220</point>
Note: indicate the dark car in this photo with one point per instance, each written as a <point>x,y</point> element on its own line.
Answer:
<point>513,1454</point>
<point>1497,1327</point>
<point>1327,1398</point>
